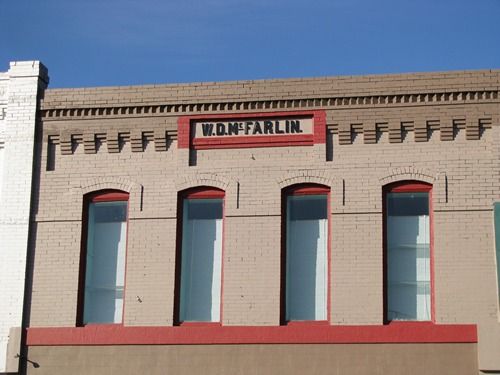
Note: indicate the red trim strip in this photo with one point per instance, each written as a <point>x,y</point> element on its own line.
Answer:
<point>293,334</point>
<point>256,141</point>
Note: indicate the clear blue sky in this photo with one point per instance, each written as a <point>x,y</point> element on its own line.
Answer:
<point>88,43</point>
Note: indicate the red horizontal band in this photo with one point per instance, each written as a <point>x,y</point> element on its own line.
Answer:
<point>255,141</point>
<point>299,333</point>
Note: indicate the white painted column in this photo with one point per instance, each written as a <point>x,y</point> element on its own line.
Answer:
<point>19,89</point>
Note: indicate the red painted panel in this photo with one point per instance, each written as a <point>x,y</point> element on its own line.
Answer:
<point>318,136</point>
<point>298,333</point>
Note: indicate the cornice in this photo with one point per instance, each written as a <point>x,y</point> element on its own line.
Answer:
<point>84,111</point>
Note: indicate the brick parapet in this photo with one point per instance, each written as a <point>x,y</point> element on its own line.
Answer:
<point>463,84</point>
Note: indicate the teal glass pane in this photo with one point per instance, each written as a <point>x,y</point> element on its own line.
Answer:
<point>408,256</point>
<point>306,259</point>
<point>201,260</point>
<point>105,267</point>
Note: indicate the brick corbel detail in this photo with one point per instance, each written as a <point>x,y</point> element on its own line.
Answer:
<point>472,128</point>
<point>345,133</point>
<point>66,141</point>
<point>370,133</point>
<point>113,142</point>
<point>89,143</point>
<point>160,138</point>
<point>446,129</point>
<point>136,141</point>
<point>420,131</point>
<point>395,132</point>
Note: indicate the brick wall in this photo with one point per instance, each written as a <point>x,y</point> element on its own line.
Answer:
<point>441,128</point>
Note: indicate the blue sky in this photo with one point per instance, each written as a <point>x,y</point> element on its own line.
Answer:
<point>130,42</point>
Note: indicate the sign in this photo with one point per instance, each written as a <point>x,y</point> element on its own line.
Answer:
<point>252,127</point>
<point>243,130</point>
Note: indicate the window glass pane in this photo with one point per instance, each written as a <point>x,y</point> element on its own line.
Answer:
<point>307,207</point>
<point>408,204</point>
<point>408,256</point>
<point>307,267</point>
<point>110,212</point>
<point>204,209</point>
<point>201,260</point>
<point>105,271</point>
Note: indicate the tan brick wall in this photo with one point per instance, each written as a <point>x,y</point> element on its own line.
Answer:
<point>252,271</point>
<point>450,139</point>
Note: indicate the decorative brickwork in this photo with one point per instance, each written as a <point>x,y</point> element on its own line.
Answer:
<point>116,183</point>
<point>204,179</point>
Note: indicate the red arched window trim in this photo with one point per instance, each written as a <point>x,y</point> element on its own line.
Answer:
<point>107,196</point>
<point>203,192</point>
<point>306,189</point>
<point>409,186</point>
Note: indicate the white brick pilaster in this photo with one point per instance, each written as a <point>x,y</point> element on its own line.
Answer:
<point>19,89</point>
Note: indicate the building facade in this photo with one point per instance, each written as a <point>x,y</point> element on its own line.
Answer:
<point>326,226</point>
<point>20,87</point>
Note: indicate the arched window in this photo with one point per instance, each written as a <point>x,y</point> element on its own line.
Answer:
<point>102,270</point>
<point>305,266</point>
<point>199,255</point>
<point>408,251</point>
